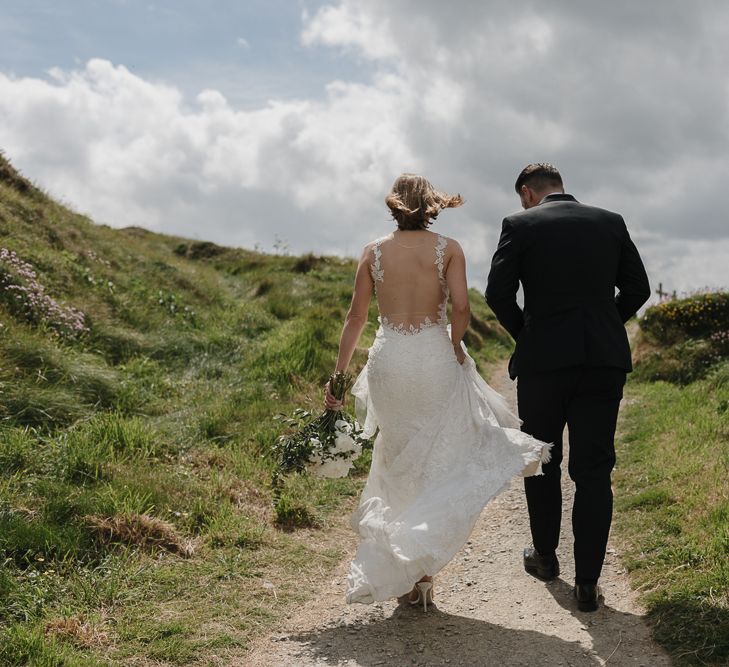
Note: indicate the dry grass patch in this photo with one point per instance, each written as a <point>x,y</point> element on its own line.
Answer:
<point>77,630</point>
<point>204,459</point>
<point>252,501</point>
<point>141,530</point>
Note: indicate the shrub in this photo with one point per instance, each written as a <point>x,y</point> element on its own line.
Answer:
<point>10,176</point>
<point>200,250</point>
<point>720,342</point>
<point>306,263</point>
<point>696,316</point>
<point>687,337</point>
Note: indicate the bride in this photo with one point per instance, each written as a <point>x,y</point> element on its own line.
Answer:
<point>447,442</point>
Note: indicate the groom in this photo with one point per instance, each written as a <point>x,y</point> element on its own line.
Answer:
<point>571,357</point>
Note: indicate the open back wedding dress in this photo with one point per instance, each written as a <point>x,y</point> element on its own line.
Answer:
<point>447,442</point>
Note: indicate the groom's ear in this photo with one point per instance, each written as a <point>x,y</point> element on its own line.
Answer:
<point>524,196</point>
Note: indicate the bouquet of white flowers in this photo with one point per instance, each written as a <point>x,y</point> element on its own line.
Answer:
<point>325,445</point>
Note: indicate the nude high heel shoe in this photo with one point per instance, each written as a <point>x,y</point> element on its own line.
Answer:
<point>425,593</point>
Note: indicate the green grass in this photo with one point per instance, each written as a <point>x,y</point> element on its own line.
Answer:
<point>672,511</point>
<point>157,425</point>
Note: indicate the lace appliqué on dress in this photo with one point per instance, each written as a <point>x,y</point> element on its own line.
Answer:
<point>378,273</point>
<point>409,330</point>
<point>439,255</point>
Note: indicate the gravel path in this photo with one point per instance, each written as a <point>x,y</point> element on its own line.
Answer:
<point>488,610</point>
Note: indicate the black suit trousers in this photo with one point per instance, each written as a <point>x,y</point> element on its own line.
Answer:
<point>586,400</point>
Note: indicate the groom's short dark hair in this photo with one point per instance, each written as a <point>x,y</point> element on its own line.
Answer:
<point>539,176</point>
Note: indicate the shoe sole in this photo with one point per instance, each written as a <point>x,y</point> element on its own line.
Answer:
<point>534,571</point>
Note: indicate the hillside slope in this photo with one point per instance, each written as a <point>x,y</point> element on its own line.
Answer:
<point>672,500</point>
<point>139,377</point>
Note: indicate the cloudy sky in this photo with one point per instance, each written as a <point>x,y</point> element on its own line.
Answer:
<point>248,123</point>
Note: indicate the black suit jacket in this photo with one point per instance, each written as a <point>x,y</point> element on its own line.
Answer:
<point>569,258</point>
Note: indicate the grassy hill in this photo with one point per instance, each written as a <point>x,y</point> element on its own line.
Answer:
<point>139,377</point>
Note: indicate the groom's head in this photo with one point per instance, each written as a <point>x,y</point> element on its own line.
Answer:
<point>536,181</point>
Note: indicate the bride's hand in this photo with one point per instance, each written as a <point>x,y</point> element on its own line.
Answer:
<point>460,354</point>
<point>330,402</point>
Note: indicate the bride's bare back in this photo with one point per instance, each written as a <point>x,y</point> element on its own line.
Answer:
<point>414,274</point>
<point>409,273</point>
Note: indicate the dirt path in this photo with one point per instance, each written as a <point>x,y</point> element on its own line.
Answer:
<point>489,611</point>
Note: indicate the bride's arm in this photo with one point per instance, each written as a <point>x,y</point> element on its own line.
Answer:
<point>458,288</point>
<point>354,322</point>
<point>357,315</point>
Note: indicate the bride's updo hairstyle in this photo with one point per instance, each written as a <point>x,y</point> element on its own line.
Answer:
<point>415,203</point>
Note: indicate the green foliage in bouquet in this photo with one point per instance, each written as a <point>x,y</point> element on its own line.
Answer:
<point>294,449</point>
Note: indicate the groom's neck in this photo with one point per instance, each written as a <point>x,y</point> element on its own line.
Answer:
<point>535,197</point>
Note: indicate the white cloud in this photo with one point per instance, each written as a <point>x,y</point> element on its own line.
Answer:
<point>630,104</point>
<point>685,265</point>
<point>243,43</point>
<point>352,26</point>
<point>132,152</point>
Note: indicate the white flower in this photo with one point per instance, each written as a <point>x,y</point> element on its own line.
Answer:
<point>343,426</point>
<point>338,466</point>
<point>345,444</point>
<point>331,468</point>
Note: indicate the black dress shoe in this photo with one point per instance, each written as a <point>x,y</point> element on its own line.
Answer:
<point>587,596</point>
<point>542,567</point>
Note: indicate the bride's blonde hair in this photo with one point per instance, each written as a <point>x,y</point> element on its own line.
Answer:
<point>415,203</point>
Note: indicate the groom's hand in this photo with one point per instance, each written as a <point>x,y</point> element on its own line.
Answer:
<point>330,402</point>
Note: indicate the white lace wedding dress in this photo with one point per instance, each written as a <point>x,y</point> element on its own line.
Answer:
<point>447,442</point>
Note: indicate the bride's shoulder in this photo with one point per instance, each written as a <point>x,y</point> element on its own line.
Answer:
<point>451,244</point>
<point>378,241</point>
<point>369,247</point>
